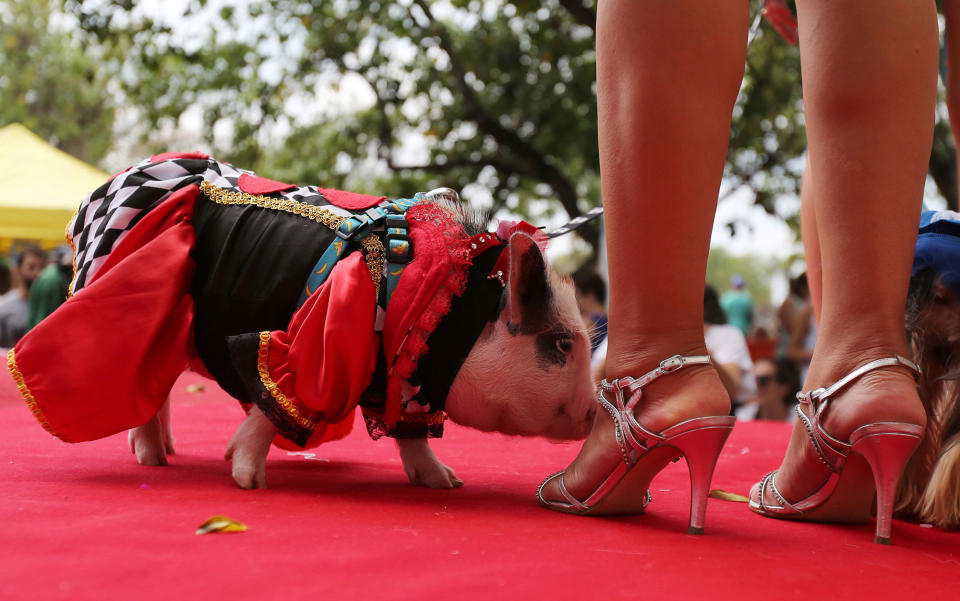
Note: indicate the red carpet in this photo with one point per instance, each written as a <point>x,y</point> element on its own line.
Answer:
<point>86,522</point>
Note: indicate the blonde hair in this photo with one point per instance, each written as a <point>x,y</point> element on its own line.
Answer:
<point>930,487</point>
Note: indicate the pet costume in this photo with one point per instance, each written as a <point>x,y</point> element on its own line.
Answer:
<point>303,301</point>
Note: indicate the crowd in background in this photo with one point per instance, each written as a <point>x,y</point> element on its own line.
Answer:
<point>32,285</point>
<point>762,370</point>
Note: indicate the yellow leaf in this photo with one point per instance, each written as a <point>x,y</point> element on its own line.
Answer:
<point>221,523</point>
<point>728,496</point>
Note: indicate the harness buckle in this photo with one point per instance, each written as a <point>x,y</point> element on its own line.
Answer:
<point>350,228</point>
<point>374,214</point>
<point>398,247</point>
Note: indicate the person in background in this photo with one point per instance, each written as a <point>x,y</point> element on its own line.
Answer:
<point>728,348</point>
<point>4,277</point>
<point>798,298</point>
<point>803,338</point>
<point>592,298</point>
<point>14,305</point>
<point>50,288</point>
<point>738,304</point>
<point>777,386</point>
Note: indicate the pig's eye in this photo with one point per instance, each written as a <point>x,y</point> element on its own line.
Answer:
<point>564,345</point>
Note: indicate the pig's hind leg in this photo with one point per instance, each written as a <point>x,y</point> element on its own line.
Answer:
<point>422,466</point>
<point>153,441</point>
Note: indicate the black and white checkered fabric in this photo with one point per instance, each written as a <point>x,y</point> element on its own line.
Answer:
<point>111,211</point>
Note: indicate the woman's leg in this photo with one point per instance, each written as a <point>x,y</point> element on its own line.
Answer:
<point>811,241</point>
<point>951,15</point>
<point>869,73</point>
<point>668,73</point>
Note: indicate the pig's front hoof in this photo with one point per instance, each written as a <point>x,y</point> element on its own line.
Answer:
<point>422,466</point>
<point>439,479</point>
<point>247,475</point>
<point>248,450</point>
<point>249,465</point>
<point>432,475</point>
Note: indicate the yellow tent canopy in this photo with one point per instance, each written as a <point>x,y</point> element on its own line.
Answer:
<point>40,188</point>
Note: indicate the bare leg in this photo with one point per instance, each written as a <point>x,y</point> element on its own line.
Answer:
<point>951,14</point>
<point>811,241</point>
<point>665,100</point>
<point>869,86</point>
<point>153,441</point>
<point>248,450</point>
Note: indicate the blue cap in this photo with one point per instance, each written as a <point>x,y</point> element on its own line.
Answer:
<point>938,247</point>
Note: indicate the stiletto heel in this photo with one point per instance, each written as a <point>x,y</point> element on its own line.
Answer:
<point>645,453</point>
<point>847,495</point>
<point>701,448</point>
<point>887,452</point>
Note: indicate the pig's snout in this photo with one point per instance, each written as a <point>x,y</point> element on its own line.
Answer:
<point>591,413</point>
<point>575,423</point>
<point>587,421</point>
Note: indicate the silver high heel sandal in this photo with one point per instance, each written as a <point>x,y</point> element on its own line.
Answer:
<point>645,453</point>
<point>847,496</point>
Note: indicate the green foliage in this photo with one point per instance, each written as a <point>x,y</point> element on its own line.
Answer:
<point>757,272</point>
<point>768,137</point>
<point>502,93</point>
<point>493,97</point>
<point>49,84</point>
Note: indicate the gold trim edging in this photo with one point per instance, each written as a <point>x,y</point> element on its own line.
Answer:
<point>372,244</point>
<point>25,393</point>
<point>73,247</point>
<point>274,390</point>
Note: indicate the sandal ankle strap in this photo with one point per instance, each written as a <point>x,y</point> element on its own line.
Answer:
<point>629,385</point>
<point>833,452</point>
<point>822,395</point>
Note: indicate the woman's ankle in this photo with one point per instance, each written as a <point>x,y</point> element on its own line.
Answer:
<point>832,361</point>
<point>637,353</point>
<point>888,393</point>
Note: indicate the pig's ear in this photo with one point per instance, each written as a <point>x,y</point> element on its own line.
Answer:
<point>529,289</point>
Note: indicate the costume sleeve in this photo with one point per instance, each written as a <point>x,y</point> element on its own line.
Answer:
<point>106,359</point>
<point>308,379</point>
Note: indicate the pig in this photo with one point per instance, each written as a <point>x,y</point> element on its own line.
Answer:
<point>303,303</point>
<point>527,373</point>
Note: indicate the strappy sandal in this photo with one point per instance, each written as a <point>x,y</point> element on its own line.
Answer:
<point>848,496</point>
<point>645,453</point>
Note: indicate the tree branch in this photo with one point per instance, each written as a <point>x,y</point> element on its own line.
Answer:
<point>537,165</point>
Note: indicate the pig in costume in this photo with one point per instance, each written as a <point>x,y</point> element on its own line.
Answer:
<point>185,261</point>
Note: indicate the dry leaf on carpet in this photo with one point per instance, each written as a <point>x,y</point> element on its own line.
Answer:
<point>728,496</point>
<point>221,523</point>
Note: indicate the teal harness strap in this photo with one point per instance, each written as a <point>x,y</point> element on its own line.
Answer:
<point>356,227</point>
<point>398,250</point>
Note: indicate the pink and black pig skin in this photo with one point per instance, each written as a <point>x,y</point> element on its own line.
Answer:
<point>528,374</point>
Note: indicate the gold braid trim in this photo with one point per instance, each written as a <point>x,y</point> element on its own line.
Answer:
<point>374,259</point>
<point>272,387</point>
<point>434,418</point>
<point>73,247</point>
<point>371,243</point>
<point>25,393</point>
